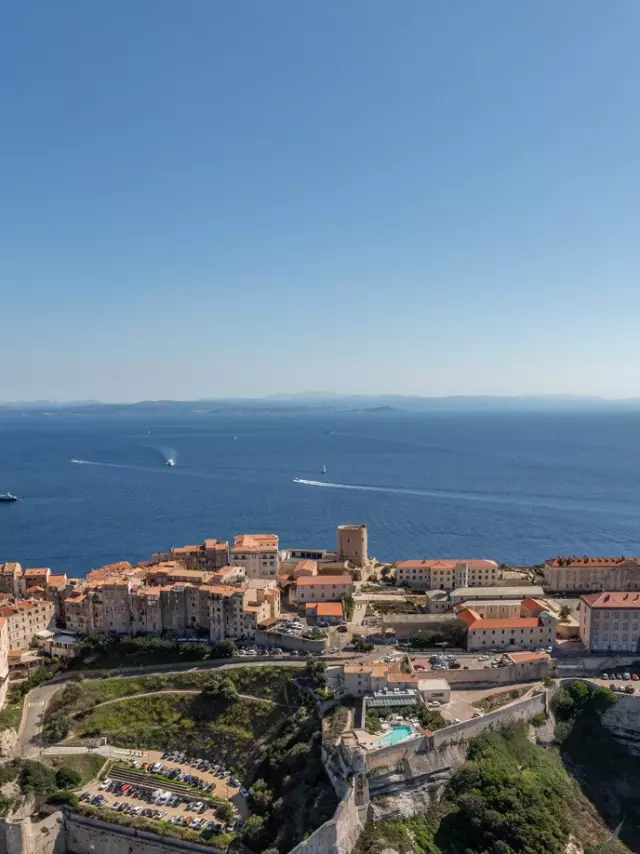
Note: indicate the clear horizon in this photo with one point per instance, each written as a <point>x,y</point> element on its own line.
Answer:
<point>234,202</point>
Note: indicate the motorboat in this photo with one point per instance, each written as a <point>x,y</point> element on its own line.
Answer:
<point>7,498</point>
<point>171,462</point>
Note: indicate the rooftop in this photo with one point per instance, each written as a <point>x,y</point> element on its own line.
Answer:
<point>314,580</point>
<point>629,600</point>
<point>473,620</point>
<point>575,562</point>
<point>524,592</point>
<point>255,543</point>
<point>446,563</point>
<point>326,609</point>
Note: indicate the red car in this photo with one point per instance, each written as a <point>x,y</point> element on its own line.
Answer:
<point>634,677</point>
<point>419,667</point>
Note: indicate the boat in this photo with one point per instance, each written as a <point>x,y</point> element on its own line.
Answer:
<point>7,497</point>
<point>297,480</point>
<point>323,470</point>
<point>171,462</point>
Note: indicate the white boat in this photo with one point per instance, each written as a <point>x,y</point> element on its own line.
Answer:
<point>7,498</point>
<point>323,470</point>
<point>171,462</point>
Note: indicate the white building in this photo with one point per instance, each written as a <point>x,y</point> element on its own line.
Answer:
<point>257,553</point>
<point>446,574</point>
<point>610,622</point>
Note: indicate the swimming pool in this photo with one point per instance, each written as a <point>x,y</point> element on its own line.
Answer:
<point>398,733</point>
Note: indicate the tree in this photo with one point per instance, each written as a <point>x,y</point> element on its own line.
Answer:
<point>67,778</point>
<point>565,613</point>
<point>253,830</point>
<point>36,778</point>
<point>603,699</point>
<point>316,670</point>
<point>225,811</point>
<point>57,726</point>
<point>63,799</point>
<point>260,796</point>
<point>224,649</point>
<point>385,572</point>
<point>349,604</point>
<point>361,644</point>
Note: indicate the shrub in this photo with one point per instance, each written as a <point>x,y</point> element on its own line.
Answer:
<point>62,799</point>
<point>67,778</point>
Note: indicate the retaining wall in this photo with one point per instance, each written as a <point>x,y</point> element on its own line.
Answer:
<point>523,710</point>
<point>84,835</point>
<point>339,835</point>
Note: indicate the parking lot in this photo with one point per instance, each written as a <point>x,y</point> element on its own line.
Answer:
<point>182,800</point>
<point>622,680</point>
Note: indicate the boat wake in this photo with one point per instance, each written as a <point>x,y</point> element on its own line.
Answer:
<point>444,494</point>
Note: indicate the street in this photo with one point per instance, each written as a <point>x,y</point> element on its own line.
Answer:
<point>32,719</point>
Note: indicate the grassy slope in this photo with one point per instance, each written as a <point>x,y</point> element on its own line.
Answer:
<point>514,794</point>
<point>86,764</point>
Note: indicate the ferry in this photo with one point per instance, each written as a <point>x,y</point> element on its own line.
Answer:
<point>171,462</point>
<point>7,498</point>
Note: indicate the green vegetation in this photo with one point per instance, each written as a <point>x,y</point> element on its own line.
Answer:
<point>290,794</point>
<point>609,774</point>
<point>496,701</point>
<point>402,606</point>
<point>449,634</point>
<point>510,797</point>
<point>162,828</point>
<point>316,672</point>
<point>271,682</point>
<point>11,714</point>
<point>565,613</point>
<point>200,723</point>
<point>87,765</point>
<point>100,652</point>
<point>56,726</point>
<point>361,644</point>
<point>349,604</point>
<point>429,719</point>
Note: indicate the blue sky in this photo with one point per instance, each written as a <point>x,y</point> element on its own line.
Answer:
<point>242,198</point>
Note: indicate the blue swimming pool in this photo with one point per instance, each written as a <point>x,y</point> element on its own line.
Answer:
<point>397,734</point>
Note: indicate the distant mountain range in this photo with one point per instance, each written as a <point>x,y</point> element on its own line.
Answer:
<point>328,401</point>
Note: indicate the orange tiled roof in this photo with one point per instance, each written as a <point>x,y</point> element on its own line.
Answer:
<point>35,571</point>
<point>326,609</point>
<point>57,580</point>
<point>586,561</point>
<point>629,600</point>
<point>254,542</point>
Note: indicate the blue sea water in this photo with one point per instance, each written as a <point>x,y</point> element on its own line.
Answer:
<point>514,487</point>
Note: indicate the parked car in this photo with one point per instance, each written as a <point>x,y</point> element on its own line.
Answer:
<point>626,677</point>
<point>635,677</point>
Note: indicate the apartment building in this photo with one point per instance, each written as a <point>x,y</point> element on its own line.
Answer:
<point>584,574</point>
<point>209,556</point>
<point>327,612</point>
<point>12,580</point>
<point>323,588</point>
<point>257,553</point>
<point>508,633</point>
<point>610,622</point>
<point>446,574</point>
<point>36,577</point>
<point>24,619</point>
<point>174,572</point>
<point>183,610</point>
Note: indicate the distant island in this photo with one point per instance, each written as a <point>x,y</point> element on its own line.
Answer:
<point>326,401</point>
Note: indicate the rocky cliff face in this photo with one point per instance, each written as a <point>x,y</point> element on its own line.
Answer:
<point>8,741</point>
<point>623,721</point>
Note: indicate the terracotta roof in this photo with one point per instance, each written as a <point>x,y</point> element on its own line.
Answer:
<point>179,550</point>
<point>516,623</point>
<point>308,581</point>
<point>255,543</point>
<point>307,564</point>
<point>214,544</point>
<point>630,600</point>
<point>574,562</point>
<point>326,609</point>
<point>57,580</point>
<point>12,568</point>
<point>36,571</point>
<point>179,573</point>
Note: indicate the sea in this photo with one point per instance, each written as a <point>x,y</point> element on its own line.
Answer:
<point>515,487</point>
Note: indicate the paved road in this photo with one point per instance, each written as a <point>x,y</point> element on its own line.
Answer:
<point>35,705</point>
